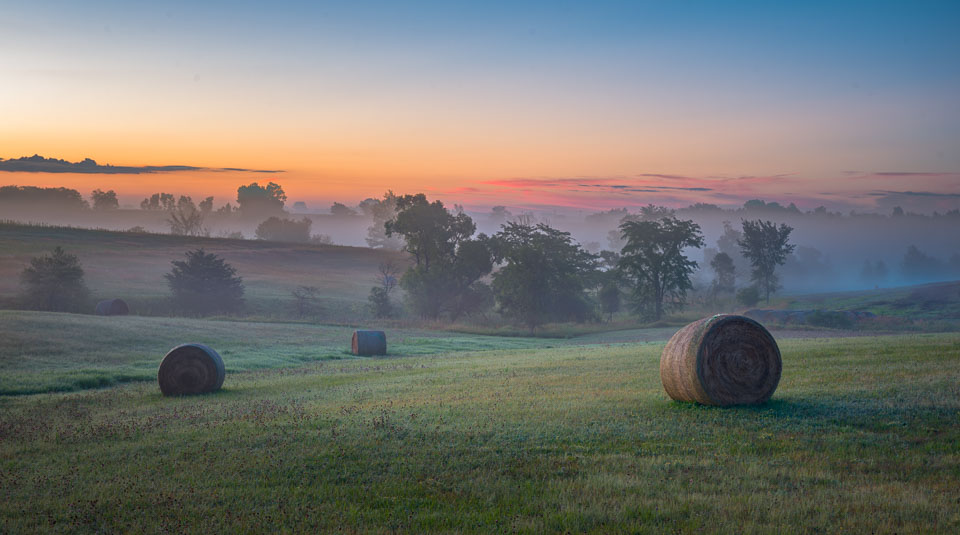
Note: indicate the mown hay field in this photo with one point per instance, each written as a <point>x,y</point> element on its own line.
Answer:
<point>56,352</point>
<point>131,266</point>
<point>862,435</point>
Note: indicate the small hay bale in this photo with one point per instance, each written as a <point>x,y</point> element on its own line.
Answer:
<point>721,360</point>
<point>369,343</point>
<point>190,369</point>
<point>112,307</point>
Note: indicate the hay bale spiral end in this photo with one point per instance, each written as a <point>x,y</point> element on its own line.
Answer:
<point>190,369</point>
<point>721,360</point>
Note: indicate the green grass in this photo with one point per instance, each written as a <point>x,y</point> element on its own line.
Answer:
<point>863,435</point>
<point>940,300</point>
<point>50,352</point>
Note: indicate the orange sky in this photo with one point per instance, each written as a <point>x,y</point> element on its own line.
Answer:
<point>472,103</point>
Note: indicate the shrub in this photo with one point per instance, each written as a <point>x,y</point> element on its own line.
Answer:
<point>282,229</point>
<point>55,282</point>
<point>748,296</point>
<point>205,283</point>
<point>380,303</point>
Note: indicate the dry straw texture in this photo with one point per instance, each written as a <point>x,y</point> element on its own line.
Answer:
<point>369,343</point>
<point>721,360</point>
<point>112,307</point>
<point>190,369</point>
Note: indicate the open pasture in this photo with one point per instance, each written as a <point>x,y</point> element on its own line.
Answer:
<point>862,435</point>
<point>131,266</point>
<point>51,352</point>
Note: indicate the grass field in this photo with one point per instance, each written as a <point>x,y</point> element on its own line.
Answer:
<point>51,352</point>
<point>863,435</point>
<point>131,266</point>
<point>934,301</point>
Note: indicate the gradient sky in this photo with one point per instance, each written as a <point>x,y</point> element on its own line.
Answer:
<point>583,104</point>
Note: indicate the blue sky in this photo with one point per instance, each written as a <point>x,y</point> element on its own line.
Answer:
<point>447,95</point>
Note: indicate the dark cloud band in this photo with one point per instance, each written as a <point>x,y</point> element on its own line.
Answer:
<point>39,164</point>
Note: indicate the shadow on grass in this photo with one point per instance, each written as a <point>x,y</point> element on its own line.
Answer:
<point>866,412</point>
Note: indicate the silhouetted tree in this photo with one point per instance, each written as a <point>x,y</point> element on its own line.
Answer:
<point>724,273</point>
<point>431,233</point>
<point>748,296</point>
<point>206,206</point>
<point>728,243</point>
<point>499,215</point>
<point>257,200</point>
<point>545,275</point>
<point>917,265</point>
<point>104,200</point>
<point>282,229</point>
<point>227,209</point>
<point>382,210</point>
<point>650,212</point>
<point>766,246</point>
<point>654,265</point>
<point>387,280</point>
<point>448,264</point>
<point>35,197</point>
<point>609,297</point>
<point>342,210</point>
<point>185,219</point>
<point>159,201</point>
<point>205,283</point>
<point>388,276</point>
<point>380,304</point>
<point>54,282</point>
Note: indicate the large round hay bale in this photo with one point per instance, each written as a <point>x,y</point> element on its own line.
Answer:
<point>190,369</point>
<point>721,360</point>
<point>369,343</point>
<point>112,307</point>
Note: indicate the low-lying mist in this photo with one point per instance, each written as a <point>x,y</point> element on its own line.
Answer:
<point>834,251</point>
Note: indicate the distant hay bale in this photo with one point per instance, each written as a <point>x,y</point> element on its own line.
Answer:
<point>190,369</point>
<point>112,307</point>
<point>369,343</point>
<point>721,360</point>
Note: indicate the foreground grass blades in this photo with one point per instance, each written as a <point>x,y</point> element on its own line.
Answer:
<point>862,435</point>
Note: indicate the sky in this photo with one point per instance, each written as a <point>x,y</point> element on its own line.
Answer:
<point>584,105</point>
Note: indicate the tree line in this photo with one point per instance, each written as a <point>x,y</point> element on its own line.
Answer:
<point>538,274</point>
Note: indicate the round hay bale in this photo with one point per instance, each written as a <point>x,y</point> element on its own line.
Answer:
<point>721,360</point>
<point>112,307</point>
<point>369,343</point>
<point>190,369</point>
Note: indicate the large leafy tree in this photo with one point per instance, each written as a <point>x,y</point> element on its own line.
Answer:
<point>448,264</point>
<point>205,283</point>
<point>545,275</point>
<point>55,282</point>
<point>653,263</point>
<point>766,246</point>
<point>256,200</point>
<point>431,232</point>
